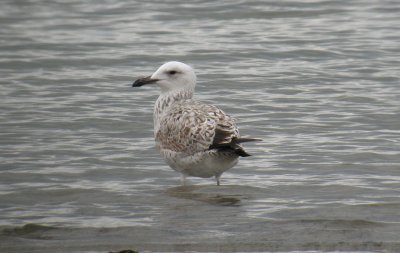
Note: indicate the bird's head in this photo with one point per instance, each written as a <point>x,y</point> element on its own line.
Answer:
<point>171,76</point>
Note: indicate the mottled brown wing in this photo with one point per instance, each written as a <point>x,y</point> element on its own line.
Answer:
<point>193,126</point>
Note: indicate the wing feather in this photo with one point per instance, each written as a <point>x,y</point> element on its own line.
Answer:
<point>191,126</point>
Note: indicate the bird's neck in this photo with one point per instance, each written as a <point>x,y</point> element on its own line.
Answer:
<point>165,100</point>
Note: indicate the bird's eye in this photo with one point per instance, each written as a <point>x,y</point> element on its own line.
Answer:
<point>172,72</point>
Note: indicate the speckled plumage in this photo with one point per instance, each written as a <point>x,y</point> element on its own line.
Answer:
<point>189,126</point>
<point>194,138</point>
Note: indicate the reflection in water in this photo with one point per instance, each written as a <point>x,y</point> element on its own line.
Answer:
<point>215,197</point>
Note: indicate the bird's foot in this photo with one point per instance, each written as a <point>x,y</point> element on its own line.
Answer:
<point>218,181</point>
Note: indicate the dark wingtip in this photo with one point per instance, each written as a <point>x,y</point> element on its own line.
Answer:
<point>241,152</point>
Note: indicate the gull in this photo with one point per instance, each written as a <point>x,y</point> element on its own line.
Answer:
<point>194,138</point>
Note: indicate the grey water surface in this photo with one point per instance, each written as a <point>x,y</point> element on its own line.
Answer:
<point>318,81</point>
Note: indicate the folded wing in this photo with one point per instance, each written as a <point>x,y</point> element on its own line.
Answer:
<point>191,126</point>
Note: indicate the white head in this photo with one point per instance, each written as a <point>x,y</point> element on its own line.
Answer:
<point>171,76</point>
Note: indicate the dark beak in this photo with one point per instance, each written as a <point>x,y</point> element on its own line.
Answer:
<point>142,81</point>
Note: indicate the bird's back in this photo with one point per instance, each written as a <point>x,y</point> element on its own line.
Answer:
<point>190,126</point>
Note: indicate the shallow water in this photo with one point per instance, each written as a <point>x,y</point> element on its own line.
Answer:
<point>318,81</point>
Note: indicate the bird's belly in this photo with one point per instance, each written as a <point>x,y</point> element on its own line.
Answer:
<point>202,164</point>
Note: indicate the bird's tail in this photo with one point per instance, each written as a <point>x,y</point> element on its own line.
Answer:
<point>245,139</point>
